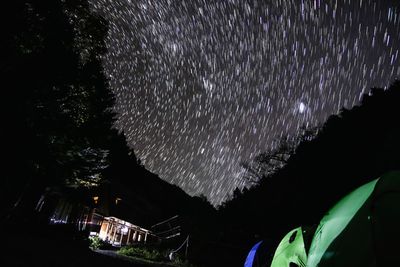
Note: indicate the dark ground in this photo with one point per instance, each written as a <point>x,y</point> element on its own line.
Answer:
<point>27,246</point>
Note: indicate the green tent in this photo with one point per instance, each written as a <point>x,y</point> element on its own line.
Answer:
<point>291,250</point>
<point>362,229</point>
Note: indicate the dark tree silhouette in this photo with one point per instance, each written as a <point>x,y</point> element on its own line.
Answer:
<point>352,148</point>
<point>267,163</point>
<point>59,103</point>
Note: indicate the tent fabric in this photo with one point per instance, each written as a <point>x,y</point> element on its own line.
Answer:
<point>261,254</point>
<point>362,228</point>
<point>291,250</point>
<point>336,220</point>
<point>250,257</point>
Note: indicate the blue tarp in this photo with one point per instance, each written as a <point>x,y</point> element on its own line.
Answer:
<point>250,258</point>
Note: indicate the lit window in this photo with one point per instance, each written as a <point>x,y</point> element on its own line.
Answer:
<point>96,199</point>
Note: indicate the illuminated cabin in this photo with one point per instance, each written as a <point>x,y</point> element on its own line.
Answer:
<point>118,232</point>
<point>93,215</point>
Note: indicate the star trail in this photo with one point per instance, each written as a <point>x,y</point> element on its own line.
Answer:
<point>202,85</point>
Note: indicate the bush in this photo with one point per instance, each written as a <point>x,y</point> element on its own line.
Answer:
<point>143,253</point>
<point>95,242</point>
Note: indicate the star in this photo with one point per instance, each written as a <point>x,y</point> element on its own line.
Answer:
<point>201,86</point>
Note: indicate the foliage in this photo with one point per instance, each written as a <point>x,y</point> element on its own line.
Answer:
<point>141,252</point>
<point>153,255</point>
<point>96,243</point>
<point>62,106</point>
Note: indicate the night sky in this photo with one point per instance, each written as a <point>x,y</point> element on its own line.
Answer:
<point>202,85</point>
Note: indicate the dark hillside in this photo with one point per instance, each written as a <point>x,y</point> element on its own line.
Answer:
<point>352,148</point>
